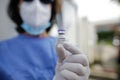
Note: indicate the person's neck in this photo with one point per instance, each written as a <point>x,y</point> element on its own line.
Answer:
<point>42,35</point>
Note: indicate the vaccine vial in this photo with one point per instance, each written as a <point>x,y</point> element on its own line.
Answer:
<point>61,37</point>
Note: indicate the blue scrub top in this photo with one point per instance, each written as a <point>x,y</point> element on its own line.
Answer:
<point>28,58</point>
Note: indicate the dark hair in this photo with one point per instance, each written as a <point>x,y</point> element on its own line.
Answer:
<point>13,12</point>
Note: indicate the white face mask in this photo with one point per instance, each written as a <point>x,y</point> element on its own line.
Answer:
<point>35,13</point>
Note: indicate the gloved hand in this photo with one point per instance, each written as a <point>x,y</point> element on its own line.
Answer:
<point>72,64</point>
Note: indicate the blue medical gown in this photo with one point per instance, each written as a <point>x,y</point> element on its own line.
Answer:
<point>28,58</point>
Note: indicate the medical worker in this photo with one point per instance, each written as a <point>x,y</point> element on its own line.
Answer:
<point>32,55</point>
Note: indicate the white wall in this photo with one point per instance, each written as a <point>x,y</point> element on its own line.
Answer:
<point>87,37</point>
<point>6,25</point>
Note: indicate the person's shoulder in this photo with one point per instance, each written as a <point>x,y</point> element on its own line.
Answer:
<point>8,40</point>
<point>4,43</point>
<point>53,39</point>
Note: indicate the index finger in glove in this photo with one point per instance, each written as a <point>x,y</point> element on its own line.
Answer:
<point>71,48</point>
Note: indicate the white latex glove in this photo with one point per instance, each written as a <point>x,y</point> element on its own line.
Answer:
<point>72,64</point>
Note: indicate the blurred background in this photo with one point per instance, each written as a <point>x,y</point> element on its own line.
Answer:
<point>93,25</point>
